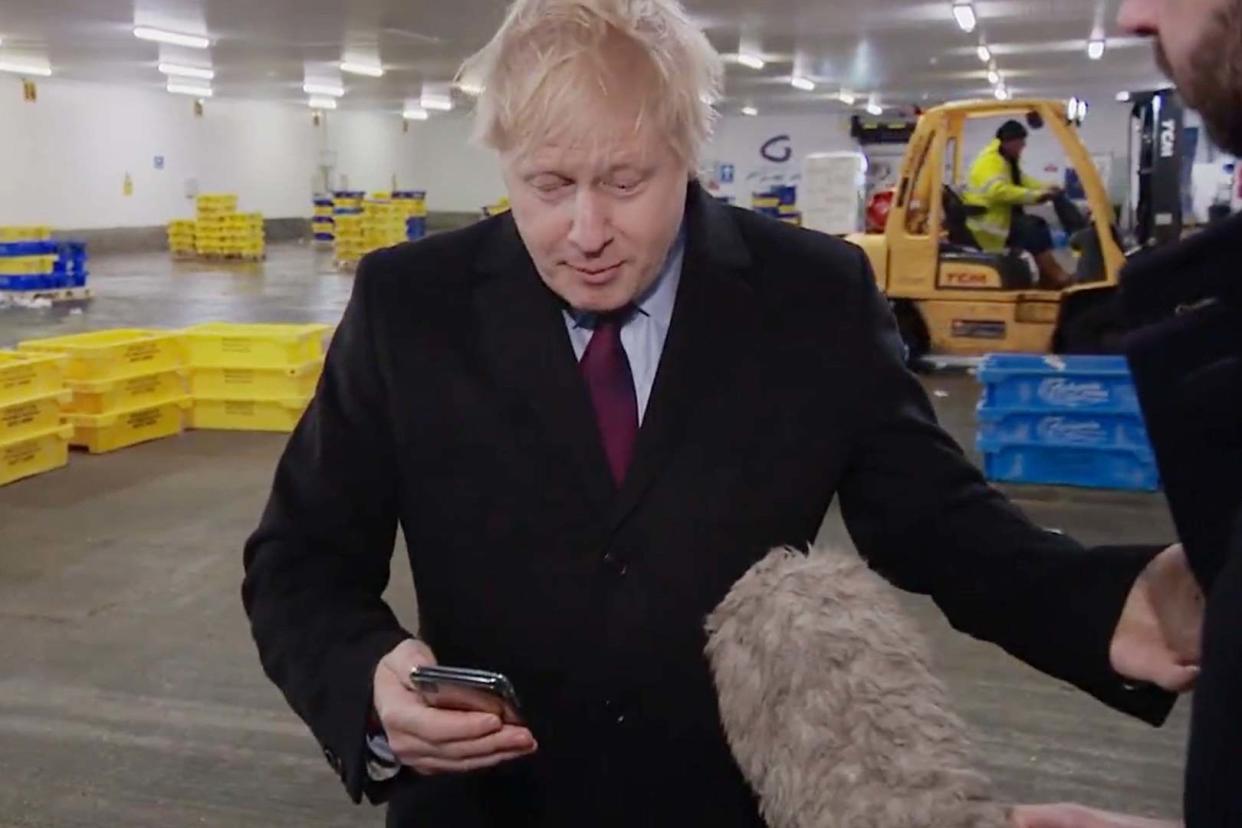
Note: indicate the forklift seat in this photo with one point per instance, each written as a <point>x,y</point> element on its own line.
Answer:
<point>956,212</point>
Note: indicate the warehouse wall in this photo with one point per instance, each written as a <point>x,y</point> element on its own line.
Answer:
<point>65,158</point>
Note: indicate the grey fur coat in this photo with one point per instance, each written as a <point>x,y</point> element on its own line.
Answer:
<point>829,704</point>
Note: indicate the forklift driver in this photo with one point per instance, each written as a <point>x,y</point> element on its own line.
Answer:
<point>998,184</point>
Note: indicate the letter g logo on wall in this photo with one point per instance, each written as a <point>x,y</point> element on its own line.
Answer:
<point>777,149</point>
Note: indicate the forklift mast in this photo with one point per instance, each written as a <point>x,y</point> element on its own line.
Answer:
<point>1158,118</point>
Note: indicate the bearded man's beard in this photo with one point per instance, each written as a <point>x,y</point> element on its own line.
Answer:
<point>1214,87</point>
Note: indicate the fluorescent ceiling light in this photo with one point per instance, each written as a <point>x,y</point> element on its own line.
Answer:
<point>993,77</point>
<point>321,103</point>
<point>189,89</point>
<point>1123,97</point>
<point>805,84</point>
<point>846,97</point>
<point>1095,48</point>
<point>964,14</point>
<point>25,69</point>
<point>1002,94</point>
<point>323,89</point>
<point>985,54</point>
<point>161,36</point>
<point>414,113</point>
<point>753,61</point>
<point>472,89</point>
<point>750,111</point>
<point>187,71</point>
<point>371,70</point>
<point>436,102</point>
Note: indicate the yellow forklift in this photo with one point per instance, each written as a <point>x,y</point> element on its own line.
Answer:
<point>952,298</point>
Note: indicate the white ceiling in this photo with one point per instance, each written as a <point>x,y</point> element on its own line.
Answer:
<point>907,51</point>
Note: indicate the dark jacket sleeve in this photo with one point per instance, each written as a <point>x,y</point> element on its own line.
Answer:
<point>317,565</point>
<point>924,517</point>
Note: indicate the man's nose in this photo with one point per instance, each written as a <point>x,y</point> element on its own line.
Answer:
<point>1140,16</point>
<point>591,230</point>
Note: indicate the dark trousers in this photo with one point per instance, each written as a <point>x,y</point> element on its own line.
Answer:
<point>1030,233</point>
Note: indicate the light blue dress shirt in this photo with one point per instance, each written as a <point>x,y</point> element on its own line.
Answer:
<point>644,333</point>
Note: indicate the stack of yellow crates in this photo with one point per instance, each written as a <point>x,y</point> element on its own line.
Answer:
<point>252,377</point>
<point>383,221</point>
<point>33,439</point>
<point>181,238</point>
<point>222,232</point>
<point>349,245</point>
<point>500,207</point>
<point>127,384</point>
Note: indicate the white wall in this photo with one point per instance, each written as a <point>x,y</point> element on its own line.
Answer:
<point>739,139</point>
<point>65,157</point>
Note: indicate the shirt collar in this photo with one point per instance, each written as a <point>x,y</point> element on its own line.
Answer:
<point>658,300</point>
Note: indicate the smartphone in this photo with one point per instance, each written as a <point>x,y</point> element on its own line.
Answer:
<point>463,688</point>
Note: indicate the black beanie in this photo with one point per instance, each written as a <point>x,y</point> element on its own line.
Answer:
<point>1011,131</point>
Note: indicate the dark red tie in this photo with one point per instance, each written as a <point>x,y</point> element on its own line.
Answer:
<point>611,385</point>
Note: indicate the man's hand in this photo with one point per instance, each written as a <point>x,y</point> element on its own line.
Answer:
<point>1157,637</point>
<point>433,741</point>
<point>1076,816</point>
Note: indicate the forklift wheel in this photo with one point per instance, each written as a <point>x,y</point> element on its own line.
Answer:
<point>913,333</point>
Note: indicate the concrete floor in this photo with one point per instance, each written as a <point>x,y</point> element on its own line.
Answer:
<point>130,693</point>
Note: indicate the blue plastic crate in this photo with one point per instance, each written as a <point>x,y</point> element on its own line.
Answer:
<point>39,248</point>
<point>25,282</point>
<point>78,279</point>
<point>324,237</point>
<point>410,194</point>
<point>1132,469</point>
<point>1025,382</point>
<point>1054,428</point>
<point>323,220</point>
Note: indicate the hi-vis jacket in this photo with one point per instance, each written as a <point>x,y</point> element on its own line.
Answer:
<point>992,186</point>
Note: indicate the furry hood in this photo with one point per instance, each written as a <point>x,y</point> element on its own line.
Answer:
<point>829,704</point>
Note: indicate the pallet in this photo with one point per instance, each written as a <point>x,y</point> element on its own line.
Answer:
<point>55,295</point>
<point>223,258</point>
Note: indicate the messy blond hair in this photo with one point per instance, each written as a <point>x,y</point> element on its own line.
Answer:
<point>552,59</point>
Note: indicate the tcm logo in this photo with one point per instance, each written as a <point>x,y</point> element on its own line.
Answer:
<point>1168,138</point>
<point>777,150</point>
<point>966,277</point>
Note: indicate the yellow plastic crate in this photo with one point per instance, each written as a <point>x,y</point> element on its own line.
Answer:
<point>27,265</point>
<point>122,352</point>
<point>20,234</point>
<point>99,433</point>
<point>247,415</point>
<point>229,345</point>
<point>35,454</point>
<point>25,375</point>
<point>255,383</point>
<point>22,418</point>
<point>138,391</point>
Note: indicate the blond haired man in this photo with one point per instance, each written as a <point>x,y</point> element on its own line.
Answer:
<point>590,417</point>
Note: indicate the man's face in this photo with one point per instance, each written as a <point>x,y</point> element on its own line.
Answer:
<point>598,217</point>
<point>1012,149</point>
<point>1199,46</point>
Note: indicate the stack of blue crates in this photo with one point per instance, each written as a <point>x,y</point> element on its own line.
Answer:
<point>322,223</point>
<point>66,265</point>
<point>1063,420</point>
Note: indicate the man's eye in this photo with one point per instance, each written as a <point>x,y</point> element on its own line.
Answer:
<point>624,185</point>
<point>549,183</point>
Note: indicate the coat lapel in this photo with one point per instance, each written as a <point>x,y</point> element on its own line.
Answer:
<point>712,318</point>
<point>524,342</point>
